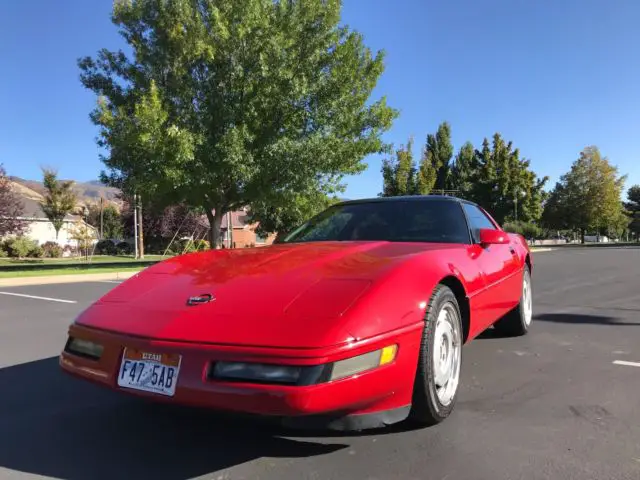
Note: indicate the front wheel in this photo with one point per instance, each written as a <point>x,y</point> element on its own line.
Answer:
<point>438,374</point>
<point>517,322</point>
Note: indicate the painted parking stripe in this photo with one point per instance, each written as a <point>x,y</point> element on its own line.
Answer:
<point>108,281</point>
<point>628,364</point>
<point>60,300</point>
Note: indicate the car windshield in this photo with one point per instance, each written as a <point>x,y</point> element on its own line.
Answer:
<point>440,221</point>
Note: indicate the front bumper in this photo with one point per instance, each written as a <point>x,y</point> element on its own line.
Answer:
<point>374,398</point>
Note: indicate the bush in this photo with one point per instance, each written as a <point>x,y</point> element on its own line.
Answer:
<point>201,245</point>
<point>21,247</point>
<point>189,246</point>
<point>124,248</point>
<point>36,252</point>
<point>106,247</point>
<point>3,252</point>
<point>52,250</point>
<point>527,230</point>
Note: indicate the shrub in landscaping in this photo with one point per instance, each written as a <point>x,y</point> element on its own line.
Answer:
<point>527,230</point>
<point>52,250</point>
<point>189,246</point>
<point>36,252</point>
<point>3,252</point>
<point>106,247</point>
<point>201,245</point>
<point>21,247</point>
<point>124,248</point>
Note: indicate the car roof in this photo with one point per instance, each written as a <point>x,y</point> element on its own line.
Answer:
<point>408,198</point>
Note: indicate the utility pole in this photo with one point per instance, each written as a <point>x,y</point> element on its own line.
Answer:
<point>135,226</point>
<point>101,218</point>
<point>230,229</point>
<point>140,229</point>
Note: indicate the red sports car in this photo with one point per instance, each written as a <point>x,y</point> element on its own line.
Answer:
<point>354,320</point>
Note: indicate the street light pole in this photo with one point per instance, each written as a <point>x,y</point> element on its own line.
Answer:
<point>135,226</point>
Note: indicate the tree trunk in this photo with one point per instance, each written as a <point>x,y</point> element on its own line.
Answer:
<point>582,235</point>
<point>215,222</point>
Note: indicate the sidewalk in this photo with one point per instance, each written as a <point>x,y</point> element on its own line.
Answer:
<point>71,278</point>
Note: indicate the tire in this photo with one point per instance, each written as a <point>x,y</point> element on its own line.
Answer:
<point>518,321</point>
<point>431,405</point>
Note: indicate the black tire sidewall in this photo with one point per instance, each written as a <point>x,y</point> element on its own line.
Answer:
<point>426,405</point>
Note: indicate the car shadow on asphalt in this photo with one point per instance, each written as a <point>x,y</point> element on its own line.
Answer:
<point>55,425</point>
<point>583,319</point>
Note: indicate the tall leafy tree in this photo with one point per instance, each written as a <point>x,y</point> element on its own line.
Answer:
<point>588,197</point>
<point>11,207</point>
<point>399,174</point>
<point>435,164</point>
<point>59,199</point>
<point>462,170</point>
<point>633,198</point>
<point>112,227</point>
<point>504,183</point>
<point>227,103</point>
<point>633,207</point>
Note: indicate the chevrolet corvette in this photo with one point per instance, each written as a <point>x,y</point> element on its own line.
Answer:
<point>354,320</point>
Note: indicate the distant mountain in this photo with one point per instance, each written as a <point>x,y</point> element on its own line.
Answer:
<point>87,192</point>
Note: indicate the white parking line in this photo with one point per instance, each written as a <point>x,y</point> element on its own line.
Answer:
<point>60,300</point>
<point>108,281</point>
<point>628,364</point>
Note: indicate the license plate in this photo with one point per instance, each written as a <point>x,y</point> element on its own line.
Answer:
<point>150,372</point>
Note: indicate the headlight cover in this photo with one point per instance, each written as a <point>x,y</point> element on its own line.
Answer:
<point>84,348</point>
<point>256,372</point>
<point>362,363</point>
<point>301,375</point>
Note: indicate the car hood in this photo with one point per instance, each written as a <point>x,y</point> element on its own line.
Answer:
<point>278,296</point>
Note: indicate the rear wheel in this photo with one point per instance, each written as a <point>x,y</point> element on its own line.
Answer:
<point>438,374</point>
<point>517,322</point>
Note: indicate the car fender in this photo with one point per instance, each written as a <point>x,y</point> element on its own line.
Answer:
<point>400,299</point>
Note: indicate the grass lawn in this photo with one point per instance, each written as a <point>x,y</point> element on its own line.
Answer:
<point>78,260</point>
<point>66,271</point>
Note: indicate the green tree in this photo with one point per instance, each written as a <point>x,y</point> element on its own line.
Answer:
<point>228,104</point>
<point>633,207</point>
<point>434,172</point>
<point>112,224</point>
<point>59,199</point>
<point>283,217</point>
<point>462,170</point>
<point>399,175</point>
<point>633,199</point>
<point>11,208</point>
<point>588,197</point>
<point>503,183</point>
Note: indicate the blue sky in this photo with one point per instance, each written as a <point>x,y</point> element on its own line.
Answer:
<point>552,76</point>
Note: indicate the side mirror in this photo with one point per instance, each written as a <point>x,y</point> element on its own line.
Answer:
<point>493,237</point>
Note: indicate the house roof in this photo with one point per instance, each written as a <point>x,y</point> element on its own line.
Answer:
<point>33,210</point>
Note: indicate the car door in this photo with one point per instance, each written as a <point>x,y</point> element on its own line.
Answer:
<point>499,266</point>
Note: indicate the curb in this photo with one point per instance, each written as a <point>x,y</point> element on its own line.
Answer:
<point>536,250</point>
<point>71,278</point>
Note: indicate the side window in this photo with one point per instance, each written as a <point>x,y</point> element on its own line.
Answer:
<point>477,220</point>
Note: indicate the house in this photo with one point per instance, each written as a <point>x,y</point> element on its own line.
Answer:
<point>38,226</point>
<point>244,233</point>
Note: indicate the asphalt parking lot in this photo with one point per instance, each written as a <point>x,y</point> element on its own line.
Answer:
<point>560,403</point>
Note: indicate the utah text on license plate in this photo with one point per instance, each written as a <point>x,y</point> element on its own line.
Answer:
<point>150,372</point>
